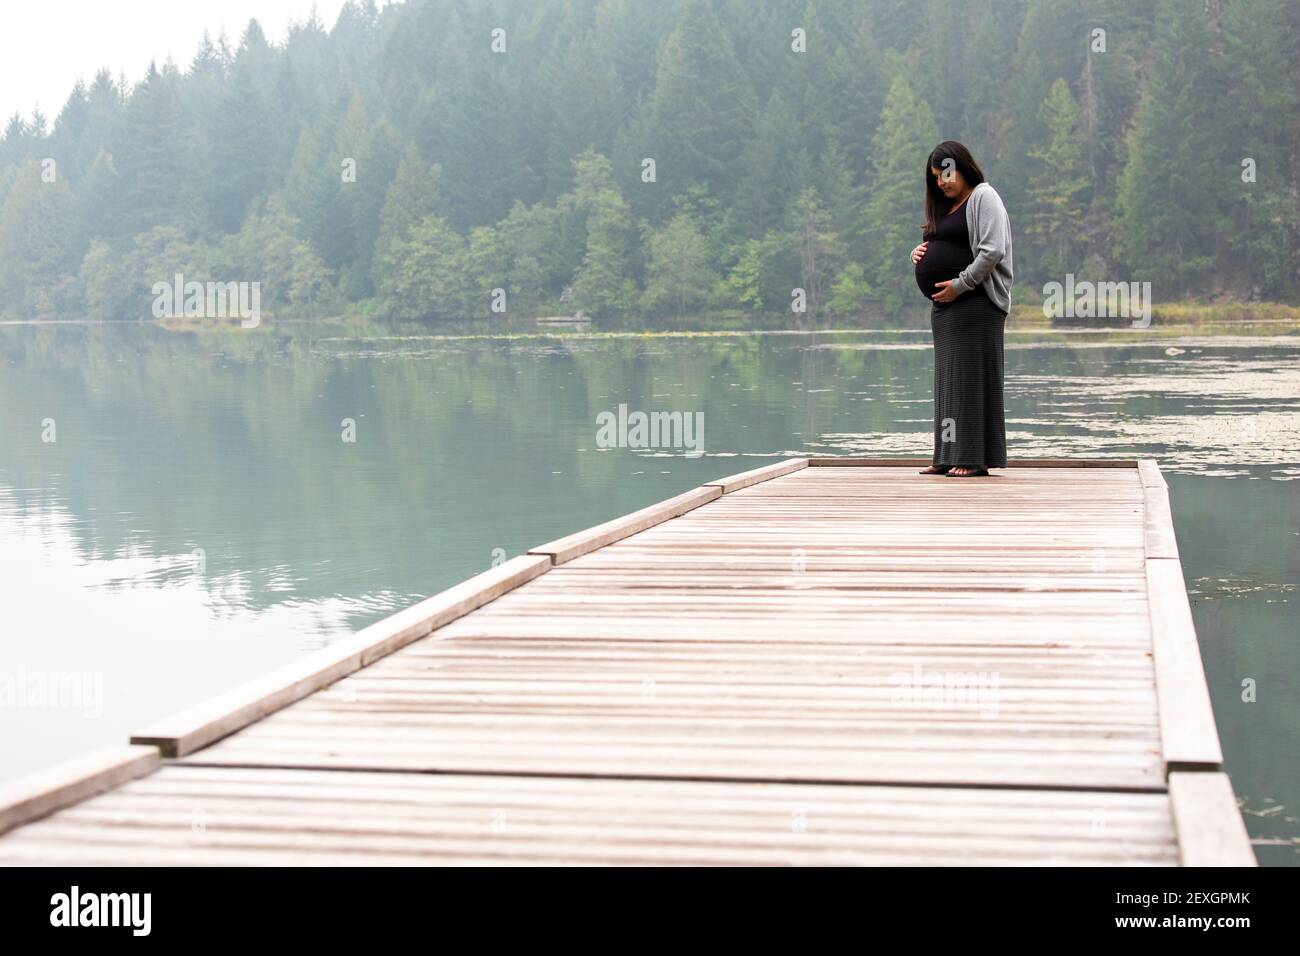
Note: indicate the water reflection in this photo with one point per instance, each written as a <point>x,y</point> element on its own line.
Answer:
<point>200,519</point>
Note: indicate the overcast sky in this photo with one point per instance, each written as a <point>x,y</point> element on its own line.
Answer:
<point>45,45</point>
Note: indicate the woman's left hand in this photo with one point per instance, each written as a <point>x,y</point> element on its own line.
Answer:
<point>946,292</point>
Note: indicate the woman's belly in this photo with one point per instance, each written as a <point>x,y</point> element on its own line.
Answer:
<point>943,260</point>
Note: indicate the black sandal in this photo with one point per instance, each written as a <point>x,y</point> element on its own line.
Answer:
<point>934,470</point>
<point>976,473</point>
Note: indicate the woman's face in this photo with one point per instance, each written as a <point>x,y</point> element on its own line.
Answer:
<point>951,182</point>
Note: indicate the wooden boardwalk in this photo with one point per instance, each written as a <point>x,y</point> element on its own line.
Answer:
<point>847,663</point>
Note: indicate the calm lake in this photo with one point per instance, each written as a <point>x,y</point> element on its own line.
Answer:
<point>181,511</point>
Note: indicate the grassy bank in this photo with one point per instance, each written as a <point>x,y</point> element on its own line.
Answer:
<point>1175,318</point>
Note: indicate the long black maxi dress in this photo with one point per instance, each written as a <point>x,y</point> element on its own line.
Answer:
<point>969,425</point>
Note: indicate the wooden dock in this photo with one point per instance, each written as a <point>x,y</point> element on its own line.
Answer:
<point>825,661</point>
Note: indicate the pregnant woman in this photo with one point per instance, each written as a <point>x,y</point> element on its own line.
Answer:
<point>964,267</point>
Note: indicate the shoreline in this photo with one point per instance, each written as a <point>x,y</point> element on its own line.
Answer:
<point>1266,320</point>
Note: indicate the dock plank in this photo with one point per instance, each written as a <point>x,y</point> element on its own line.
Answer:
<point>40,794</point>
<point>245,817</point>
<point>1209,827</point>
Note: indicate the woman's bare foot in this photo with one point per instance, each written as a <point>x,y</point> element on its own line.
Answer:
<point>961,471</point>
<point>934,470</point>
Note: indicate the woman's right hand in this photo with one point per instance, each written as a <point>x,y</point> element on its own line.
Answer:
<point>918,252</point>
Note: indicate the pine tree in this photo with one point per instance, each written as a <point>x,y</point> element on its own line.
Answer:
<point>148,161</point>
<point>1057,187</point>
<point>411,196</point>
<point>37,237</point>
<point>770,174</point>
<point>604,283</point>
<point>1169,206</point>
<point>899,149</point>
<point>1258,180</point>
<point>702,105</point>
<point>313,193</point>
<point>242,148</point>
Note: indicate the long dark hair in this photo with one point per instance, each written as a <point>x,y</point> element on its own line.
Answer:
<point>936,203</point>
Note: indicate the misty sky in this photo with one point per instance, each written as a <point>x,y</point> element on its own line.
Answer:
<point>46,45</point>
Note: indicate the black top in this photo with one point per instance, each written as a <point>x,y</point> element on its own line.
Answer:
<point>947,254</point>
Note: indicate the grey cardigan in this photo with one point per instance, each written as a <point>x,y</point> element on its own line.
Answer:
<point>990,243</point>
